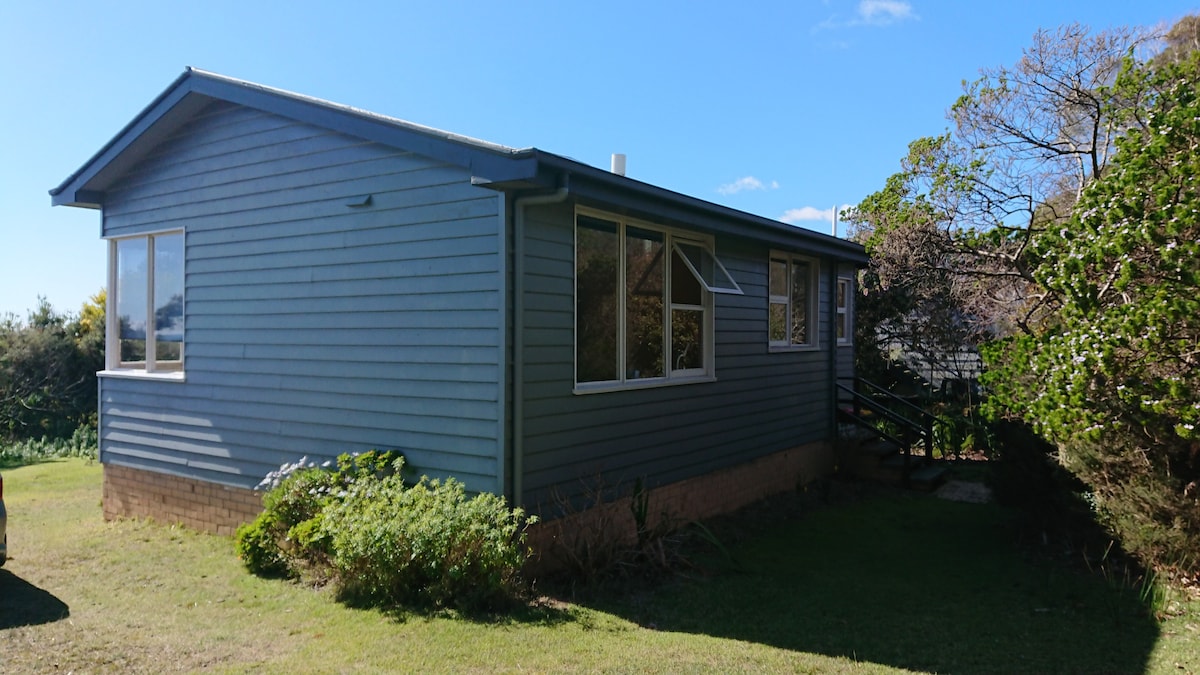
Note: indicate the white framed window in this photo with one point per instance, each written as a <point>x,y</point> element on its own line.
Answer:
<point>792,301</point>
<point>643,303</point>
<point>145,332</point>
<point>844,310</point>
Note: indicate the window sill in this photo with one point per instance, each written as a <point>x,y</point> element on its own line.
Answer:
<point>779,349</point>
<point>602,387</point>
<point>177,376</point>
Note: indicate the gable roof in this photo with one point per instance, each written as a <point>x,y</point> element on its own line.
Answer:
<point>491,165</point>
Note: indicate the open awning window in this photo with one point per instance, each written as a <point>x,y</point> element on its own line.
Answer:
<point>706,268</point>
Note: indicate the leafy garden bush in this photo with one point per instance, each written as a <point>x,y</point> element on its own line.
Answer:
<point>286,540</point>
<point>1113,377</point>
<point>84,442</point>
<point>427,544</point>
<point>381,541</point>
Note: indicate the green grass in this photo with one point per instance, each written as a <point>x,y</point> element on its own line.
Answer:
<point>890,584</point>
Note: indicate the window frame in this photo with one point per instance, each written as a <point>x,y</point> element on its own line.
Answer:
<point>812,302</point>
<point>671,238</point>
<point>843,312</point>
<point>151,367</point>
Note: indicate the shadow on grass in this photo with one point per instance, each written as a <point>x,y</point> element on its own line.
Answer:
<point>534,612</point>
<point>910,582</point>
<point>23,604</point>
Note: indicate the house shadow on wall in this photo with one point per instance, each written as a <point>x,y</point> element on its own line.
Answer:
<point>909,582</point>
<point>23,604</point>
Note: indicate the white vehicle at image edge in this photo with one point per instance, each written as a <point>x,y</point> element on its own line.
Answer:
<point>3,526</point>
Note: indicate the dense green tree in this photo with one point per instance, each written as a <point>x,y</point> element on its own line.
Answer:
<point>1057,225</point>
<point>1113,377</point>
<point>48,366</point>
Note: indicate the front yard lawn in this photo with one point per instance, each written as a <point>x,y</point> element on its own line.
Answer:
<point>893,583</point>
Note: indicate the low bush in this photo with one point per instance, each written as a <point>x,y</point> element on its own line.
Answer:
<point>381,541</point>
<point>426,544</point>
<point>286,540</point>
<point>84,442</point>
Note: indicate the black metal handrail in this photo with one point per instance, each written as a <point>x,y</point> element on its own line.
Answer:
<point>911,429</point>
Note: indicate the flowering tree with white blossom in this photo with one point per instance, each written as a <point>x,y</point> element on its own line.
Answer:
<point>1113,376</point>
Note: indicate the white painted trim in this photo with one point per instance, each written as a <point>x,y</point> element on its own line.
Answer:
<point>151,321</point>
<point>813,300</point>
<point>779,348</point>
<point>135,374</point>
<point>708,306</point>
<point>735,290</point>
<point>847,311</point>
<point>112,338</point>
<point>648,383</point>
<point>112,359</point>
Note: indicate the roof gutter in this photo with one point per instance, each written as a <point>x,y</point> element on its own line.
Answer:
<point>606,186</point>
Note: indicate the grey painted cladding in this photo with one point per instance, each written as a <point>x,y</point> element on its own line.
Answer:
<point>314,328</point>
<point>762,401</point>
<point>496,166</point>
<point>318,324</point>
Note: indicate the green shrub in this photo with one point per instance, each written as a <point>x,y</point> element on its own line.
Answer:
<point>382,542</point>
<point>257,546</point>
<point>426,544</point>
<point>285,539</point>
<point>84,442</point>
<point>48,367</point>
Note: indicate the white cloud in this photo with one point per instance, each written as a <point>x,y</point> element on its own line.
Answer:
<point>746,183</point>
<point>883,12</point>
<point>871,13</point>
<point>793,216</point>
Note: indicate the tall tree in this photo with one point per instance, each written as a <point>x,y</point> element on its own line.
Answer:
<point>953,228</point>
<point>1113,377</point>
<point>1059,221</point>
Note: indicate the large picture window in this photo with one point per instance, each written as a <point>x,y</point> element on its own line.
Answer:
<point>792,303</point>
<point>643,302</point>
<point>146,303</point>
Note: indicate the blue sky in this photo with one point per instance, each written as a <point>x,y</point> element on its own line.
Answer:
<point>783,109</point>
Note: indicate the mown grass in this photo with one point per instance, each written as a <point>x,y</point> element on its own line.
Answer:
<point>889,584</point>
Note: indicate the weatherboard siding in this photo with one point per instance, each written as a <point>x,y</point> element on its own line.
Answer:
<point>313,327</point>
<point>761,402</point>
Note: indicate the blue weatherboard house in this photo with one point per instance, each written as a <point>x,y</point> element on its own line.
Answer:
<point>289,276</point>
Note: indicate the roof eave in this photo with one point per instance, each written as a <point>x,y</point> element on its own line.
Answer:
<point>604,186</point>
<point>74,191</point>
<point>196,88</point>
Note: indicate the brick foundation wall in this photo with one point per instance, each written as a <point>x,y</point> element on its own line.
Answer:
<point>209,507</point>
<point>200,505</point>
<point>692,499</point>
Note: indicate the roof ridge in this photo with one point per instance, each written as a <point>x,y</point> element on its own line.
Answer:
<point>361,112</point>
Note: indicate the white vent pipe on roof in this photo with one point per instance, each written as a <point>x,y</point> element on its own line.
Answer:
<point>618,163</point>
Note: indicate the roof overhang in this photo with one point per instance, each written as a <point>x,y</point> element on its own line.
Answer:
<point>613,191</point>
<point>491,165</point>
<point>195,89</point>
